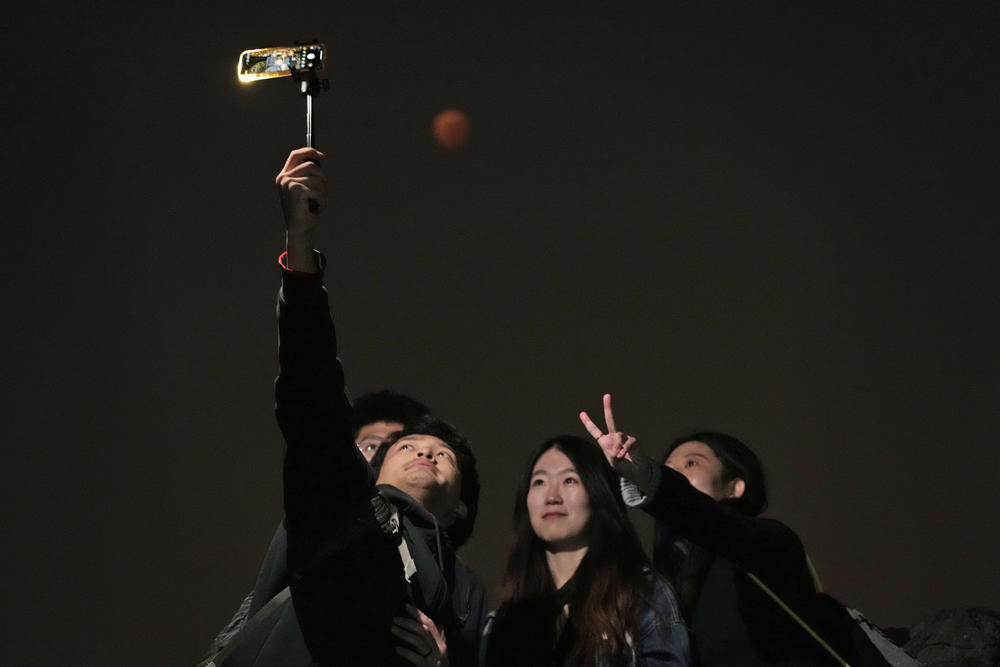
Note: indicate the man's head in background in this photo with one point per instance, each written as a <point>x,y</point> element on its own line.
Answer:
<point>381,414</point>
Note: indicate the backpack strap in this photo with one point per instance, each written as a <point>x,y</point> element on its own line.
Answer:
<point>798,619</point>
<point>409,565</point>
<point>817,584</point>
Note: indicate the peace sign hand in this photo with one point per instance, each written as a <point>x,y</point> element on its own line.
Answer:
<point>615,444</point>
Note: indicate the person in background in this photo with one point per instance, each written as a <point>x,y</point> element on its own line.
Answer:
<point>706,497</point>
<point>381,414</point>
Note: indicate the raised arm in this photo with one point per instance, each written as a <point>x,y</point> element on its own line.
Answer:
<point>670,498</point>
<point>325,476</point>
<point>623,453</point>
<point>300,181</point>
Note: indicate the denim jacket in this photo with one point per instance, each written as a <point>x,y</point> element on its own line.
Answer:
<point>661,638</point>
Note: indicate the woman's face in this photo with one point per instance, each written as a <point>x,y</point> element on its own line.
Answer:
<point>558,505</point>
<point>696,461</point>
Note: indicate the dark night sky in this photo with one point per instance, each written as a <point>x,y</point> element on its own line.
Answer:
<point>778,220</point>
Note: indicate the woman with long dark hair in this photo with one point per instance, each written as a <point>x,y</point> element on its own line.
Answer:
<point>578,589</point>
<point>710,542</point>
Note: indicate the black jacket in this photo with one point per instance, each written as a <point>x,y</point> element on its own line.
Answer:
<point>732,622</point>
<point>344,569</point>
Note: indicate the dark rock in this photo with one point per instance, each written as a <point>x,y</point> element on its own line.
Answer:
<point>898,636</point>
<point>957,638</point>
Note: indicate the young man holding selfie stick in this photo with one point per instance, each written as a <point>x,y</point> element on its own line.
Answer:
<point>375,580</point>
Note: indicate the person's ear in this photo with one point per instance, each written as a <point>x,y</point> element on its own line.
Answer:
<point>461,511</point>
<point>736,488</point>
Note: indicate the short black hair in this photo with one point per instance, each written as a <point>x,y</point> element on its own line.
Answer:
<point>459,531</point>
<point>737,460</point>
<point>385,406</point>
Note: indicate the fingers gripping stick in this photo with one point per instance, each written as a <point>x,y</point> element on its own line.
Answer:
<point>302,62</point>
<point>310,86</point>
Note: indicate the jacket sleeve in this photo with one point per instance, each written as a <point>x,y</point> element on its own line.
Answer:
<point>325,476</point>
<point>751,542</point>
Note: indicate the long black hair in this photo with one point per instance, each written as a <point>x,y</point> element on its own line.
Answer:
<point>608,584</point>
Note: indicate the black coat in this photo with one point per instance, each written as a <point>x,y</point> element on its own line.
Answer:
<point>345,571</point>
<point>732,622</point>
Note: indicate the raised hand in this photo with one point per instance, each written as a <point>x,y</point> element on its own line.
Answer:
<point>300,182</point>
<point>615,444</point>
<point>423,641</point>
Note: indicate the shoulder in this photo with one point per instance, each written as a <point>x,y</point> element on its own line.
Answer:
<point>776,527</point>
<point>469,585</point>
<point>660,634</point>
<point>468,600</point>
<point>463,571</point>
<point>781,561</point>
<point>659,607</point>
<point>781,540</point>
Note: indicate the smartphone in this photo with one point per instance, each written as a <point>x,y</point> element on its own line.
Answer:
<point>255,64</point>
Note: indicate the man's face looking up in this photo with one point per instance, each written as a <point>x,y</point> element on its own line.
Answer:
<point>372,436</point>
<point>426,468</point>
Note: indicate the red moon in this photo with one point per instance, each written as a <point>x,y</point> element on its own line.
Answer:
<point>451,129</point>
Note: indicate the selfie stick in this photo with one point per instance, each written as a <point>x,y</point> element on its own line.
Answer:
<point>301,62</point>
<point>310,85</point>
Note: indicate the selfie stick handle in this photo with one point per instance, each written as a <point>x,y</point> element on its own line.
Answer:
<point>309,85</point>
<point>309,113</point>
